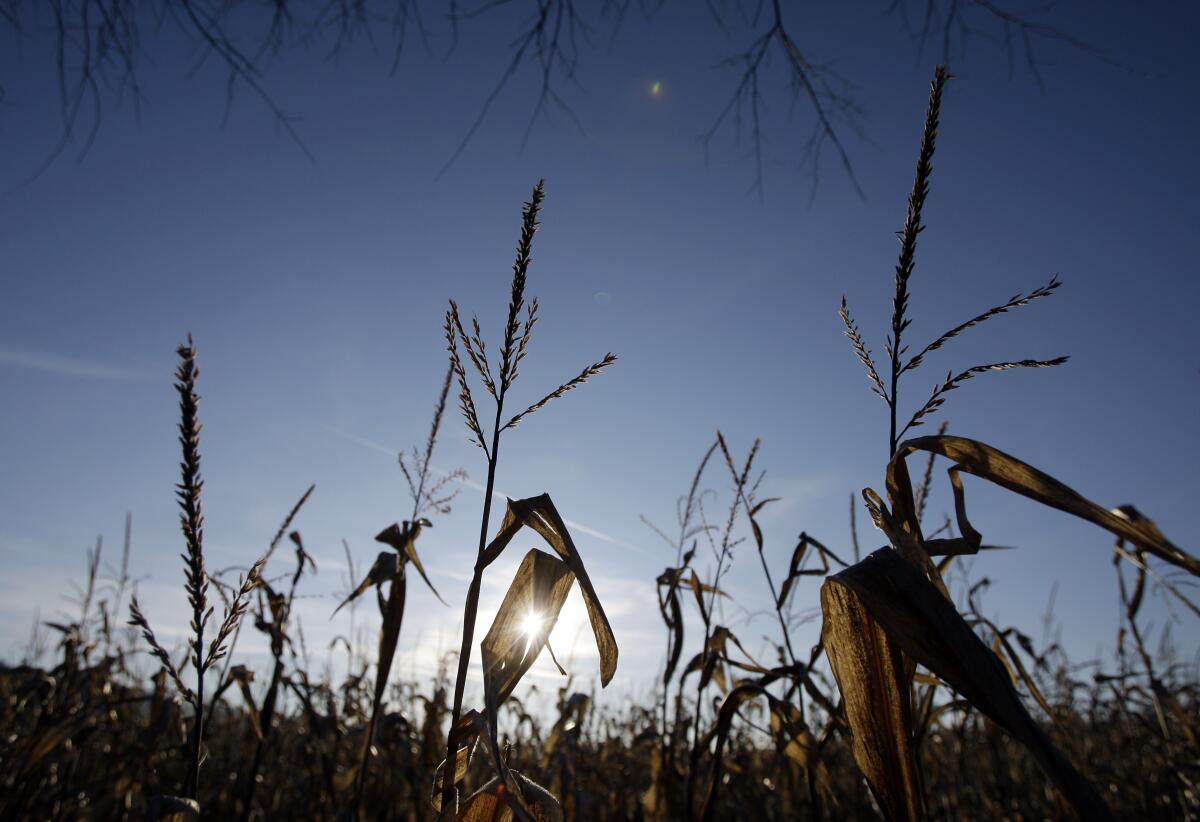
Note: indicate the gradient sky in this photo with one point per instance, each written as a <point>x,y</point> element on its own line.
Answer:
<point>316,292</point>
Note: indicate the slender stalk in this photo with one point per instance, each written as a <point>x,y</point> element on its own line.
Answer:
<point>275,540</point>
<point>685,530</point>
<point>423,472</point>
<point>267,712</point>
<point>794,685</point>
<point>472,605</point>
<point>706,612</point>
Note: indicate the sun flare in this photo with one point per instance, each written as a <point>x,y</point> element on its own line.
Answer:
<point>531,625</point>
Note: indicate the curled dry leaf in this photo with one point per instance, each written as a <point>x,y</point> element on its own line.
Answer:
<point>522,625</point>
<point>883,610</point>
<point>540,514</point>
<point>539,589</point>
<point>537,593</point>
<point>672,612</point>
<point>674,577</point>
<point>796,569</point>
<point>385,568</point>
<point>388,567</point>
<point>729,708</point>
<point>494,802</point>
<point>792,735</point>
<point>709,661</point>
<point>798,743</point>
<point>404,540</point>
<point>991,464</point>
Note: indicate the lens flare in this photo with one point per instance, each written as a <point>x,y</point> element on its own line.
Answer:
<point>531,627</point>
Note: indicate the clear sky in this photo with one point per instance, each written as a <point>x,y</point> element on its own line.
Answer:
<point>316,290</point>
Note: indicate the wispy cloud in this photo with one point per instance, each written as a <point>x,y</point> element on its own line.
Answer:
<point>68,366</point>
<point>496,494</point>
<point>364,442</point>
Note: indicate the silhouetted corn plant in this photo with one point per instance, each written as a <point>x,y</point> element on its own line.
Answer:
<point>428,494</point>
<point>540,580</point>
<point>196,578</point>
<point>891,611</point>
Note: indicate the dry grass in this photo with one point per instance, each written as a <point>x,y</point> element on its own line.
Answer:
<point>939,713</point>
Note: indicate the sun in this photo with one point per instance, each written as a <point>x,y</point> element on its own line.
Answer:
<point>531,626</point>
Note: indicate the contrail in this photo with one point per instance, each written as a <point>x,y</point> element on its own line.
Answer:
<point>58,364</point>
<point>363,441</point>
<point>497,495</point>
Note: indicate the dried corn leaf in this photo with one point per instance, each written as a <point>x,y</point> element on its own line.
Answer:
<point>729,708</point>
<point>495,802</point>
<point>672,578</point>
<point>795,570</point>
<point>672,614</point>
<point>466,735</point>
<point>923,713</point>
<point>926,679</point>
<point>1184,720</point>
<point>392,610</point>
<point>389,632</point>
<point>885,598</point>
<point>681,576</point>
<point>792,731</point>
<point>537,593</point>
<point>783,716</point>
<point>653,808</point>
<point>708,664</point>
<point>904,534</point>
<point>515,513</point>
<point>716,650</point>
<point>540,514</point>
<point>543,805</point>
<point>989,463</point>
<point>384,568</point>
<point>491,803</point>
<point>873,677</point>
<point>754,526</point>
<point>568,722</point>
<point>243,676</point>
<point>543,517</point>
<point>404,540</point>
<point>800,745</point>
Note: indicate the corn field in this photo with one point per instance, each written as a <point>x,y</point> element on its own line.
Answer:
<point>913,704</point>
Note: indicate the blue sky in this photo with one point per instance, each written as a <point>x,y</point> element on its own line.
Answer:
<point>316,292</point>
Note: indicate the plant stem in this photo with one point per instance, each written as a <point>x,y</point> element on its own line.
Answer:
<point>193,776</point>
<point>472,605</point>
<point>706,614</point>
